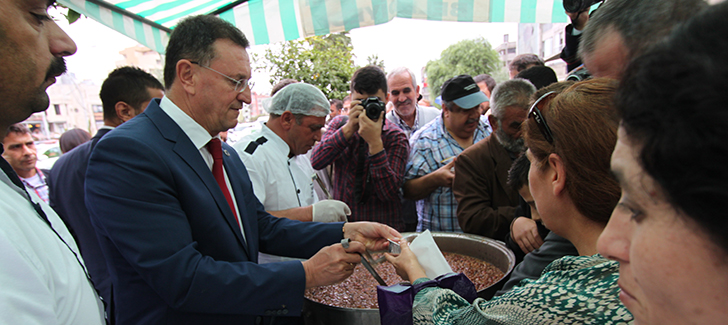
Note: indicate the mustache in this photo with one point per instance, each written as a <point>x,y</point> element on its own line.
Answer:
<point>471,120</point>
<point>406,101</point>
<point>57,68</point>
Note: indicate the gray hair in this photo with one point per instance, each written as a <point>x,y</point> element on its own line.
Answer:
<point>448,105</point>
<point>399,70</point>
<point>640,23</point>
<point>516,92</point>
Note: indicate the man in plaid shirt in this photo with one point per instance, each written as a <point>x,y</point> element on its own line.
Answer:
<point>369,154</point>
<point>430,170</point>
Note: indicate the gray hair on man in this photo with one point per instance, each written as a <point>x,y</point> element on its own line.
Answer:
<point>640,23</point>
<point>516,92</point>
<point>399,70</point>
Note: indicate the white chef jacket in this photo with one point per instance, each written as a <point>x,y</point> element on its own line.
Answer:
<point>279,182</point>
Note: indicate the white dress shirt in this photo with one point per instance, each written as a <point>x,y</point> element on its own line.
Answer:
<point>42,278</point>
<point>199,137</point>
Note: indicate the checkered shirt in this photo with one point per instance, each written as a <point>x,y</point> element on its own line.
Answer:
<point>431,146</point>
<point>386,169</point>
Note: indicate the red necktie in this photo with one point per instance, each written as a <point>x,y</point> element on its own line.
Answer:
<point>215,148</point>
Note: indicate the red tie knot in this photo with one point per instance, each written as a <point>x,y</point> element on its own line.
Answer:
<point>215,148</point>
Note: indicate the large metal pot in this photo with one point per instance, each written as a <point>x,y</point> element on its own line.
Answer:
<point>487,249</point>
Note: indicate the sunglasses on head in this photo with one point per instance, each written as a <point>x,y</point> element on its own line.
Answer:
<point>535,113</point>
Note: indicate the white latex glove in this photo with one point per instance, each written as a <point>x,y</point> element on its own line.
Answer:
<point>330,211</point>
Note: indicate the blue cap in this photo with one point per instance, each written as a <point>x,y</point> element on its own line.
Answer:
<point>463,91</point>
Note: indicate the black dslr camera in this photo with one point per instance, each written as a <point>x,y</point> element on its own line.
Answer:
<point>579,5</point>
<point>579,74</point>
<point>373,107</point>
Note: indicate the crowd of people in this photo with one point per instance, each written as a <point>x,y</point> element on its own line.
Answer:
<point>606,189</point>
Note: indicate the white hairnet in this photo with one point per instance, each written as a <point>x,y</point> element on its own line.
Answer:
<point>300,98</point>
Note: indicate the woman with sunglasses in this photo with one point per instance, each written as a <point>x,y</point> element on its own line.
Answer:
<point>669,231</point>
<point>570,137</point>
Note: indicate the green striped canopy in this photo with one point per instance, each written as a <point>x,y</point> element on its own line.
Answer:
<point>269,21</point>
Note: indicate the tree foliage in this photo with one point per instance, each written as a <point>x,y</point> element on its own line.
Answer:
<point>374,60</point>
<point>323,61</point>
<point>472,57</point>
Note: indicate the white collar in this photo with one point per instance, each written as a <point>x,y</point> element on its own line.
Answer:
<point>276,141</point>
<point>197,134</point>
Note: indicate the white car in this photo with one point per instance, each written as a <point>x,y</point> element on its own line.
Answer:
<point>47,151</point>
<point>243,129</point>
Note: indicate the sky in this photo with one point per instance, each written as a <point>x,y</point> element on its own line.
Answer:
<point>400,42</point>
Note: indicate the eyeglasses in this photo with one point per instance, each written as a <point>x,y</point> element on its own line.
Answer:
<point>535,113</point>
<point>240,85</point>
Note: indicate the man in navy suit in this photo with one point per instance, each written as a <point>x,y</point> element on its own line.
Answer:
<point>181,233</point>
<point>124,94</point>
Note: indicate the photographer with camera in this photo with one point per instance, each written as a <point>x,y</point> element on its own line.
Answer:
<point>369,154</point>
<point>578,12</point>
<point>430,170</point>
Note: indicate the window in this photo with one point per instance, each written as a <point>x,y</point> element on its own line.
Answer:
<point>511,50</point>
<point>548,47</point>
<point>57,108</point>
<point>97,108</point>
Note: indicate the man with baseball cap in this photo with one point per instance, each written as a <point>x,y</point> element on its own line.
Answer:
<point>429,173</point>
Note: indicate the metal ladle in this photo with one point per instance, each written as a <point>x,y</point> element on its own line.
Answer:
<point>345,243</point>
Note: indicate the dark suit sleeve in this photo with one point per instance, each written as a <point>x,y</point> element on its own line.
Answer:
<point>167,241</point>
<point>471,187</point>
<point>571,48</point>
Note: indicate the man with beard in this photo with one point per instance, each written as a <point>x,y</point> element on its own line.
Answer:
<point>486,204</point>
<point>429,172</point>
<point>42,275</point>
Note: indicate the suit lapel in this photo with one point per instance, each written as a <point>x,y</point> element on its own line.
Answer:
<point>249,222</point>
<point>184,148</point>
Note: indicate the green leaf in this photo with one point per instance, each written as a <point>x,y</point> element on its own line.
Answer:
<point>72,16</point>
